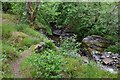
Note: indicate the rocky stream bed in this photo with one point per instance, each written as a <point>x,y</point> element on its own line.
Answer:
<point>93,47</point>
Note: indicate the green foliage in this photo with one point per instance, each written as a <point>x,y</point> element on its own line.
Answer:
<point>6,70</point>
<point>92,19</point>
<point>48,63</point>
<point>43,23</point>
<point>49,45</point>
<point>21,27</point>
<point>91,70</point>
<point>19,10</point>
<point>69,46</point>
<point>6,6</point>
<point>73,67</point>
<point>7,29</point>
<point>31,32</point>
<point>76,69</point>
<point>83,18</point>
<point>9,18</point>
<point>9,52</point>
<point>28,41</point>
<point>114,49</point>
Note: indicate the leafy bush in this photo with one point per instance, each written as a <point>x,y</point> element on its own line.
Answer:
<point>69,46</point>
<point>82,18</point>
<point>48,64</point>
<point>49,45</point>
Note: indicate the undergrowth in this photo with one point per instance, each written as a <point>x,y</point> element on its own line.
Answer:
<point>52,62</point>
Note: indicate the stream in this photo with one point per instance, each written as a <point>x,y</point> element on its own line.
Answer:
<point>108,61</point>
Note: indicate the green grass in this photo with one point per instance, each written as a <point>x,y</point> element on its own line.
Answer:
<point>7,29</point>
<point>31,70</point>
<point>74,68</point>
<point>11,49</point>
<point>31,32</point>
<point>114,49</point>
<point>6,70</point>
<point>79,70</point>
<point>44,64</point>
<point>28,41</point>
<point>9,18</point>
<point>91,70</point>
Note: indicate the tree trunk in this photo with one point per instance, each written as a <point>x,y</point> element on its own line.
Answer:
<point>32,12</point>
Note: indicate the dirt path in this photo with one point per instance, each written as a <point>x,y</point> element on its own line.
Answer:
<point>16,65</point>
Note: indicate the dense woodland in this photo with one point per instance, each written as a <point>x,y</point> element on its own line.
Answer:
<point>59,40</point>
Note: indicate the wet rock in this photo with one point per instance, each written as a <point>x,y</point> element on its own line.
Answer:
<point>109,52</point>
<point>110,64</point>
<point>116,61</point>
<point>118,66</point>
<point>115,56</point>
<point>57,32</point>
<point>118,56</point>
<point>83,52</point>
<point>95,43</point>
<point>95,52</point>
<point>103,57</point>
<point>97,58</point>
<point>85,60</point>
<point>107,60</point>
<point>107,55</point>
<point>65,35</point>
<point>39,47</point>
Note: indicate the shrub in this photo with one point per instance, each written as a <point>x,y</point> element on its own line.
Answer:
<point>48,64</point>
<point>49,45</point>
<point>69,46</point>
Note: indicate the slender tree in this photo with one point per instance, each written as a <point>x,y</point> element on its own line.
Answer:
<point>32,11</point>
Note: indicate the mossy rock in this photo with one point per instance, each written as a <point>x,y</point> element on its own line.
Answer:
<point>17,37</point>
<point>95,43</point>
